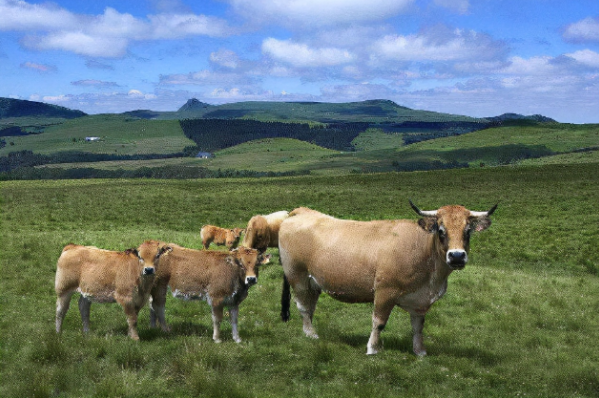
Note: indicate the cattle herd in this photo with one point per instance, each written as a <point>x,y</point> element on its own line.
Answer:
<point>388,263</point>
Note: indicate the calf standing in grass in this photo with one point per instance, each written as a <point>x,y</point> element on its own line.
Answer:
<point>220,236</point>
<point>103,276</point>
<point>221,278</point>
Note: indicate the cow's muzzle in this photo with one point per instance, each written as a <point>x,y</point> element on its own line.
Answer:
<point>457,259</point>
<point>251,280</point>
<point>148,271</point>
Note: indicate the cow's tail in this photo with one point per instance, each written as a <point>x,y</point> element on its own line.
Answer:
<point>285,300</point>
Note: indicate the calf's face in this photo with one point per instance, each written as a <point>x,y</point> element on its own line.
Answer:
<point>232,237</point>
<point>453,226</point>
<point>149,253</point>
<point>249,261</point>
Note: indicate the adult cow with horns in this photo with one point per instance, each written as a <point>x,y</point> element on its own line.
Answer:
<point>386,262</point>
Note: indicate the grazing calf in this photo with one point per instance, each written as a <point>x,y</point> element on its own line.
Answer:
<point>263,231</point>
<point>220,236</point>
<point>102,276</point>
<point>221,278</point>
<point>389,262</point>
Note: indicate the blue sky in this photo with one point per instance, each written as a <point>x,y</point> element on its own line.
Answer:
<point>469,57</point>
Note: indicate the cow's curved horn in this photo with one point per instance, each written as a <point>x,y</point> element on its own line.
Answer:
<point>422,213</point>
<point>483,213</point>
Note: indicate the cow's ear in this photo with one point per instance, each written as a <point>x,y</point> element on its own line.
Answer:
<point>429,224</point>
<point>164,250</point>
<point>264,259</point>
<point>480,223</point>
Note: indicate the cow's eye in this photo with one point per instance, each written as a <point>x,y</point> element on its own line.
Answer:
<point>442,234</point>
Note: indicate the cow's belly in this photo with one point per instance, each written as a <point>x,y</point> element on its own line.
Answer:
<point>356,291</point>
<point>102,296</point>
<point>421,300</point>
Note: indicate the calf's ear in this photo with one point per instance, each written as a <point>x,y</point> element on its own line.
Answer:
<point>429,224</point>
<point>164,250</point>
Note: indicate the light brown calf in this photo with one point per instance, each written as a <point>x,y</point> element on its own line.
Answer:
<point>263,231</point>
<point>389,263</point>
<point>221,278</point>
<point>102,276</point>
<point>220,236</point>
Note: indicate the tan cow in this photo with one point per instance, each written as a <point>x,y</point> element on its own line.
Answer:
<point>263,230</point>
<point>102,276</point>
<point>389,262</point>
<point>220,236</point>
<point>221,278</point>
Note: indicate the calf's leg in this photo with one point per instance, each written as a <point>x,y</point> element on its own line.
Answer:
<point>84,309</point>
<point>157,304</point>
<point>217,317</point>
<point>234,312</point>
<point>131,311</point>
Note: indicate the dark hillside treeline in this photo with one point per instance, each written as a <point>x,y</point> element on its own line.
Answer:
<point>15,160</point>
<point>164,172</point>
<point>423,131</point>
<point>213,134</point>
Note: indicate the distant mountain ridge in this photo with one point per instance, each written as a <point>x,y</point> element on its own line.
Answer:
<point>10,107</point>
<point>370,111</point>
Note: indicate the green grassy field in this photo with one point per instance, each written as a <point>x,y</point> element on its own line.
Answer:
<point>519,320</point>
<point>119,135</point>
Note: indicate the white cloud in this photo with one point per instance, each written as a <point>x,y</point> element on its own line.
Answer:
<point>106,35</point>
<point>206,78</point>
<point>94,83</point>
<point>586,30</point>
<point>300,55</point>
<point>440,45</point>
<point>21,16</point>
<point>586,57</point>
<point>80,43</point>
<point>299,14</point>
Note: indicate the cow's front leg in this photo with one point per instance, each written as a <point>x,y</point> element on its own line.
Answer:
<point>417,326</point>
<point>62,306</point>
<point>217,317</point>
<point>234,312</point>
<point>84,309</point>
<point>380,316</point>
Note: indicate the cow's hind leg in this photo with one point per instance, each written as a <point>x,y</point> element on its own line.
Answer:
<point>157,304</point>
<point>84,309</point>
<point>306,297</point>
<point>380,316</point>
<point>417,326</point>
<point>62,306</point>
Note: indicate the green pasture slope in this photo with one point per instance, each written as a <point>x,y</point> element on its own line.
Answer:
<point>119,134</point>
<point>519,320</point>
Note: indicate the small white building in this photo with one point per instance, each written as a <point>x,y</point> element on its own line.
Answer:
<point>91,139</point>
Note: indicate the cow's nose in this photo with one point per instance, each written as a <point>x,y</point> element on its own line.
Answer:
<point>148,271</point>
<point>251,280</point>
<point>457,258</point>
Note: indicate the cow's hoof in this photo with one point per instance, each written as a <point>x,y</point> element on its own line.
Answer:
<point>217,341</point>
<point>237,340</point>
<point>371,351</point>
